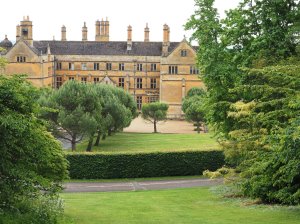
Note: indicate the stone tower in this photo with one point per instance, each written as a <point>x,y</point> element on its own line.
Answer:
<point>24,31</point>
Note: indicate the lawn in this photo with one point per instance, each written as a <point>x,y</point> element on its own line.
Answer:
<point>149,142</point>
<point>182,206</point>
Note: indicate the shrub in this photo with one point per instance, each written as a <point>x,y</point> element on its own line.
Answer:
<point>157,164</point>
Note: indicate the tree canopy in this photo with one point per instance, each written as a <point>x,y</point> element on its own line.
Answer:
<point>32,161</point>
<point>250,66</point>
<point>194,107</point>
<point>80,110</point>
<point>155,112</point>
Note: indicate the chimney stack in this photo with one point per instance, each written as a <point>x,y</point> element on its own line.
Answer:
<point>102,30</point>
<point>166,40</point>
<point>63,33</point>
<point>106,30</point>
<point>147,31</point>
<point>97,37</point>
<point>18,32</point>
<point>84,32</point>
<point>129,38</point>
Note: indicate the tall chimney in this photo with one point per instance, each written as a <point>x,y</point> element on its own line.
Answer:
<point>102,28</point>
<point>97,37</point>
<point>63,33</point>
<point>84,32</point>
<point>147,31</point>
<point>106,30</point>
<point>18,32</point>
<point>129,38</point>
<point>166,40</point>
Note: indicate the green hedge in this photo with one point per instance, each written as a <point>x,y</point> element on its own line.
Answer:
<point>107,166</point>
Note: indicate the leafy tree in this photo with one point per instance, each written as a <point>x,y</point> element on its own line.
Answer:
<point>250,66</point>
<point>155,112</point>
<point>75,111</point>
<point>3,60</point>
<point>195,91</point>
<point>32,161</point>
<point>194,110</point>
<point>118,110</point>
<point>275,177</point>
<point>194,107</point>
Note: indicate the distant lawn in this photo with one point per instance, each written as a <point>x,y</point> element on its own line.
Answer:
<point>149,142</point>
<point>188,206</point>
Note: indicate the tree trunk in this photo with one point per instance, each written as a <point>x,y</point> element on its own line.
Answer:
<point>73,143</point>
<point>104,136</point>
<point>109,132</point>
<point>205,128</point>
<point>97,143</point>
<point>155,129</point>
<point>198,127</point>
<point>89,147</point>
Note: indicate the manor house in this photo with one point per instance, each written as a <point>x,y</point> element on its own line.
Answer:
<point>150,71</point>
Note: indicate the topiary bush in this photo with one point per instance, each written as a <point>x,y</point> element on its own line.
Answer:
<point>156,164</point>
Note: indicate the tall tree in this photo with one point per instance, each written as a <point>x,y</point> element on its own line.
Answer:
<point>75,111</point>
<point>32,162</point>
<point>118,110</point>
<point>194,107</point>
<point>249,98</point>
<point>155,112</point>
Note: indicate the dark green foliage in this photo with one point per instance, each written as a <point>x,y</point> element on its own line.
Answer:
<point>107,166</point>
<point>118,110</point>
<point>250,65</point>
<point>155,112</point>
<point>275,176</point>
<point>73,111</point>
<point>32,161</point>
<point>194,107</point>
<point>195,91</point>
<point>79,110</point>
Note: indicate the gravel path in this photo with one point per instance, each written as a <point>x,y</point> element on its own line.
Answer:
<point>139,185</point>
<point>170,126</point>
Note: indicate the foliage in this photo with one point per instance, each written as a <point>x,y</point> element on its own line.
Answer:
<point>32,161</point>
<point>78,110</point>
<point>194,107</point>
<point>118,110</point>
<point>251,69</point>
<point>195,91</point>
<point>225,172</point>
<point>3,60</point>
<point>155,112</point>
<point>74,111</point>
<point>275,175</point>
<point>156,164</point>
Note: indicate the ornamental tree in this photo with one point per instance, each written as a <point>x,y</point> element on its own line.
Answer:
<point>74,111</point>
<point>155,112</point>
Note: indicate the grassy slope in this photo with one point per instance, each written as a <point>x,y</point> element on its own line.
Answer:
<point>188,206</point>
<point>141,142</point>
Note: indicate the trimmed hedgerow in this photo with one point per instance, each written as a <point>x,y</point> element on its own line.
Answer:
<point>156,164</point>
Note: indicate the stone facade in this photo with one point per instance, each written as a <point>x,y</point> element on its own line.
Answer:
<point>150,71</point>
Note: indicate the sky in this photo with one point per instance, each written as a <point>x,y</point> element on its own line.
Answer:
<point>49,16</point>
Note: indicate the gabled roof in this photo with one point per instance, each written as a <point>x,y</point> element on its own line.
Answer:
<point>32,48</point>
<point>102,48</point>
